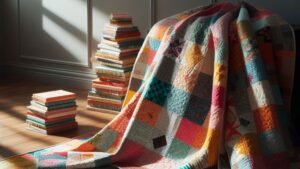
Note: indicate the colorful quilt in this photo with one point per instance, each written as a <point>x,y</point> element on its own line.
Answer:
<point>211,88</point>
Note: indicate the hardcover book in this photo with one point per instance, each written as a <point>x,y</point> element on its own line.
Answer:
<point>53,96</point>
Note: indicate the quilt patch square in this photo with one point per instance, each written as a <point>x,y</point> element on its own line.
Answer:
<point>187,131</point>
<point>271,142</point>
<point>255,70</point>
<point>197,109</point>
<point>203,86</point>
<point>159,141</point>
<point>260,95</point>
<point>177,101</point>
<point>157,91</point>
<point>167,69</point>
<point>178,150</point>
<point>218,96</point>
<point>266,118</point>
<point>149,112</point>
<point>143,134</point>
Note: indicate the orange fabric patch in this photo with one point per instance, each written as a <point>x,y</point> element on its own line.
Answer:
<point>120,124</point>
<point>248,144</point>
<point>265,118</point>
<point>200,138</point>
<point>158,32</point>
<point>149,112</point>
<point>85,147</point>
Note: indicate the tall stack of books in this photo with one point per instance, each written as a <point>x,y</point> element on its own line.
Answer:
<point>115,57</point>
<point>52,112</point>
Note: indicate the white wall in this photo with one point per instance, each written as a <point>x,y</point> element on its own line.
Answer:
<point>54,40</point>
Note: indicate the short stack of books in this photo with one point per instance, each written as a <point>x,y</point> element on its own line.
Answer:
<point>52,112</point>
<point>117,52</point>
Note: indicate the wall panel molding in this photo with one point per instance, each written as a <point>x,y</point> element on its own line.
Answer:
<point>41,57</point>
<point>50,75</point>
<point>60,62</point>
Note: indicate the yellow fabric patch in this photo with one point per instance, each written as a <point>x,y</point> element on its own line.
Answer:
<point>212,145</point>
<point>248,144</point>
<point>219,75</point>
<point>128,97</point>
<point>193,55</point>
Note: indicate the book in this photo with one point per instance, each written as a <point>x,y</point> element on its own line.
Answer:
<point>53,107</point>
<point>108,87</point>
<point>111,83</point>
<point>120,16</point>
<point>107,68</point>
<point>111,92</point>
<point>120,28</point>
<point>106,77</point>
<point>113,65</point>
<point>50,104</point>
<point>126,61</point>
<point>101,110</point>
<point>120,34</point>
<point>115,56</point>
<point>125,50</point>
<point>50,124</point>
<point>51,119</point>
<point>105,100</point>
<point>124,39</point>
<point>51,112</point>
<point>94,93</point>
<point>125,44</point>
<point>118,54</point>
<point>48,127</point>
<point>49,116</point>
<point>113,74</point>
<point>53,96</point>
<point>116,36</point>
<point>53,130</point>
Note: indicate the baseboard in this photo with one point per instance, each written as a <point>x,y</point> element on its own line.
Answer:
<point>51,75</point>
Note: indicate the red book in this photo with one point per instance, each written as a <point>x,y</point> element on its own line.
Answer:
<point>101,82</point>
<point>47,120</point>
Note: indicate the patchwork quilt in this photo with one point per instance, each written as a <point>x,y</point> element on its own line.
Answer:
<point>211,88</point>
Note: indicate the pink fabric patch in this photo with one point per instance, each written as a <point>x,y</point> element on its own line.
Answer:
<point>151,56</point>
<point>218,96</point>
<point>187,131</point>
<point>129,153</point>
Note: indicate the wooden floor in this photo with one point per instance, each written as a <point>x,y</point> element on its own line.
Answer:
<point>15,95</point>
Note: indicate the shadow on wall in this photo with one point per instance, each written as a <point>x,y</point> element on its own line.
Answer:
<point>58,30</point>
<point>55,30</point>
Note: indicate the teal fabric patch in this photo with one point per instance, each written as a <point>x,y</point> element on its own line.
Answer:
<point>178,150</point>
